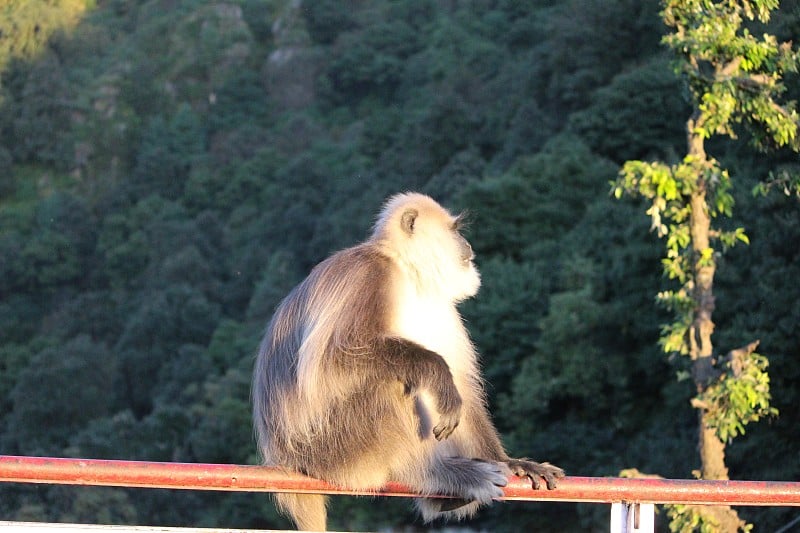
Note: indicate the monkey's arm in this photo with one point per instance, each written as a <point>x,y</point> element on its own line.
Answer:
<point>416,367</point>
<point>489,440</point>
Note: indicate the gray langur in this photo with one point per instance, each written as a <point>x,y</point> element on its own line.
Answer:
<point>366,373</point>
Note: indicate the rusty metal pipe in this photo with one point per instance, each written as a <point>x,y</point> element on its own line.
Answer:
<point>224,477</point>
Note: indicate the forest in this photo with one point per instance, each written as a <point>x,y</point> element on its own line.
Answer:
<point>170,169</point>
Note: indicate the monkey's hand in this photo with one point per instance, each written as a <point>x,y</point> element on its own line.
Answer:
<point>449,407</point>
<point>536,471</point>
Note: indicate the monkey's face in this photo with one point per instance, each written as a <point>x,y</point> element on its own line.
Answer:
<point>426,238</point>
<point>471,280</point>
<point>456,260</point>
<point>465,250</point>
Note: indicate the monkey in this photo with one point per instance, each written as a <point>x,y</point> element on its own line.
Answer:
<point>366,374</point>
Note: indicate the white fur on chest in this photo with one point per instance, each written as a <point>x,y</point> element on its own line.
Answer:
<point>435,324</point>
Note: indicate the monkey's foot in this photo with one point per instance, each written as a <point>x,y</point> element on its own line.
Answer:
<point>491,482</point>
<point>535,472</point>
<point>471,482</point>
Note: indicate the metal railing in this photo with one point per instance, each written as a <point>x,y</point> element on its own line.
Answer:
<point>631,499</point>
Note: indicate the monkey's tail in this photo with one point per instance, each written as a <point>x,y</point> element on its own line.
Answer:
<point>307,510</point>
<point>449,509</point>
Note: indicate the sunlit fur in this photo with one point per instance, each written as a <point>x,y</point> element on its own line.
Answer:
<point>329,404</point>
<point>431,259</point>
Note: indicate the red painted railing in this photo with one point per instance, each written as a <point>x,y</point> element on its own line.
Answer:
<point>266,479</point>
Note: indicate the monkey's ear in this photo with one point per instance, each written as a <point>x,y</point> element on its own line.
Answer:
<point>408,219</point>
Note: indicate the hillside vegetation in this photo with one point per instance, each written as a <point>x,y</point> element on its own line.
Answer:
<point>169,169</point>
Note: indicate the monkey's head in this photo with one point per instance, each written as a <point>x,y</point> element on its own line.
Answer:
<point>425,239</point>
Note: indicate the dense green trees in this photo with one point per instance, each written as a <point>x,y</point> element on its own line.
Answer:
<point>167,175</point>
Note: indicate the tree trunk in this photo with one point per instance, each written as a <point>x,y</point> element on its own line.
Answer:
<point>712,452</point>
<point>701,350</point>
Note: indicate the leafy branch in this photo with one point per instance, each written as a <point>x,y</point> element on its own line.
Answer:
<point>735,79</point>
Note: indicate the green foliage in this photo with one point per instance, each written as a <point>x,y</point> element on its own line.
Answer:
<point>238,101</point>
<point>123,247</point>
<point>27,26</point>
<point>734,79</point>
<point>739,396</point>
<point>102,505</point>
<point>571,318</point>
<point>684,518</point>
<point>223,434</point>
<point>33,128</point>
<point>78,377</point>
<point>371,62</point>
<point>13,359</point>
<point>547,193</point>
<point>326,19</point>
<point>7,185</point>
<point>638,114</point>
<point>709,36</point>
<point>693,518</point>
<point>734,76</point>
<point>206,46</point>
<point>787,180</point>
<point>167,153</point>
<point>510,307</point>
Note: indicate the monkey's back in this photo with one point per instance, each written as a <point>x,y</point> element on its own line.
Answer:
<point>311,402</point>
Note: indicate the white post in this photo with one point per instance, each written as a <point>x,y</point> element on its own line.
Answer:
<point>632,518</point>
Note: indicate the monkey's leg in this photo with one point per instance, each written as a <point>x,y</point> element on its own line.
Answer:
<point>307,510</point>
<point>491,448</point>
